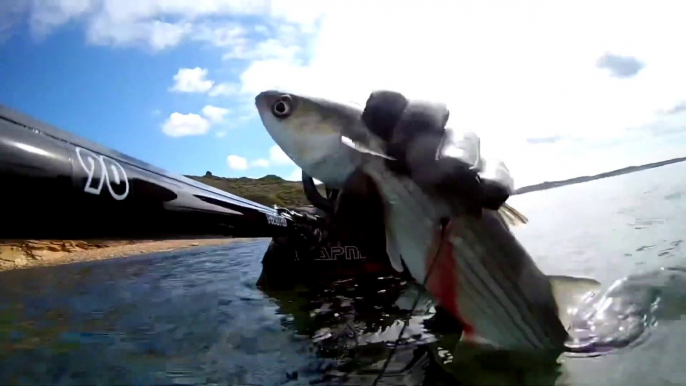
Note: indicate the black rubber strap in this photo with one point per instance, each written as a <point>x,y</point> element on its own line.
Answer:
<point>314,196</point>
<point>332,194</point>
<point>383,111</point>
<point>413,132</point>
<point>399,122</point>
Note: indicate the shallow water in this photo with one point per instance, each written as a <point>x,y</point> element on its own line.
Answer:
<point>196,316</point>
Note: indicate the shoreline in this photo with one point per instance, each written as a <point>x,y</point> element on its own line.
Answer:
<point>22,254</point>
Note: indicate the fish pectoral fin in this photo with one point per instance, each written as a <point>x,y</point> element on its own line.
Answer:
<point>362,148</point>
<point>474,339</point>
<point>393,252</point>
<point>512,216</point>
<point>570,293</point>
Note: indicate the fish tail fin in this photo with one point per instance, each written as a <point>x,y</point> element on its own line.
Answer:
<point>571,293</point>
<point>512,216</point>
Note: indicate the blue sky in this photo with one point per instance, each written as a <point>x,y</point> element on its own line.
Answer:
<point>117,97</point>
<point>555,92</point>
<point>121,94</point>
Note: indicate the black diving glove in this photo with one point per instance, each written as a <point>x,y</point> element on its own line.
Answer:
<point>415,134</point>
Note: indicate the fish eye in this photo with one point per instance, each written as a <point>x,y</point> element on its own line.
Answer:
<point>283,107</point>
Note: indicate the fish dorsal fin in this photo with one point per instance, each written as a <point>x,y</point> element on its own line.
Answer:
<point>512,216</point>
<point>571,293</point>
<point>462,145</point>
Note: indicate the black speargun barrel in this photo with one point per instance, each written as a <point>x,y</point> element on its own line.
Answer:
<point>55,185</point>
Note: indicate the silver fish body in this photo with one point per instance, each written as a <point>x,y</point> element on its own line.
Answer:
<point>474,267</point>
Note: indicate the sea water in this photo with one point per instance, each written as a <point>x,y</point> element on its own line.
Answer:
<point>196,316</point>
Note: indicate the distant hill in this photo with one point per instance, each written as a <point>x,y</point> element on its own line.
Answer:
<point>274,190</point>
<point>268,190</point>
<point>578,180</point>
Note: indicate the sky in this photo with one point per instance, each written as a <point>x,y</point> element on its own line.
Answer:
<point>554,89</point>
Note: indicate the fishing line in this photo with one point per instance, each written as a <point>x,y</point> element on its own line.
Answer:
<point>444,224</point>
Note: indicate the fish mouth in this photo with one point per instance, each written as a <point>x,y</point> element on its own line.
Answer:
<point>265,97</point>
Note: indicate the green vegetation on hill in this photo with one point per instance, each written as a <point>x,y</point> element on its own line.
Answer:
<point>268,190</point>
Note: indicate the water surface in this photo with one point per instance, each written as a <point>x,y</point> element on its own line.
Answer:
<point>196,317</point>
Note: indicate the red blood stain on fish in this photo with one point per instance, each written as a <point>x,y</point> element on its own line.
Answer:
<point>443,277</point>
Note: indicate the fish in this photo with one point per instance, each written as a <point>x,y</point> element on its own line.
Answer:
<point>473,266</point>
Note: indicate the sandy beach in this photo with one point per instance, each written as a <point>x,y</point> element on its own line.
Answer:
<point>22,254</point>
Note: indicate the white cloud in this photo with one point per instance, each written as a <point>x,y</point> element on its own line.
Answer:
<point>306,13</point>
<point>529,77</point>
<point>236,162</point>
<point>164,35</point>
<point>511,72</point>
<point>267,49</point>
<point>158,35</point>
<point>296,175</point>
<point>222,36</point>
<point>260,163</point>
<point>192,80</point>
<point>159,23</point>
<point>48,15</point>
<point>261,29</point>
<point>278,157</point>
<point>224,89</point>
<point>190,9</point>
<point>214,114</point>
<point>220,134</point>
<point>180,125</point>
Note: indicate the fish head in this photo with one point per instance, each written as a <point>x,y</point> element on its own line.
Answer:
<point>311,132</point>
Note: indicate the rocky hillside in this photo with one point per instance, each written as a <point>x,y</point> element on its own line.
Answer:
<point>268,190</point>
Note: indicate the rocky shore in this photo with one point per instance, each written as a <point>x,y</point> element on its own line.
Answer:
<point>30,253</point>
